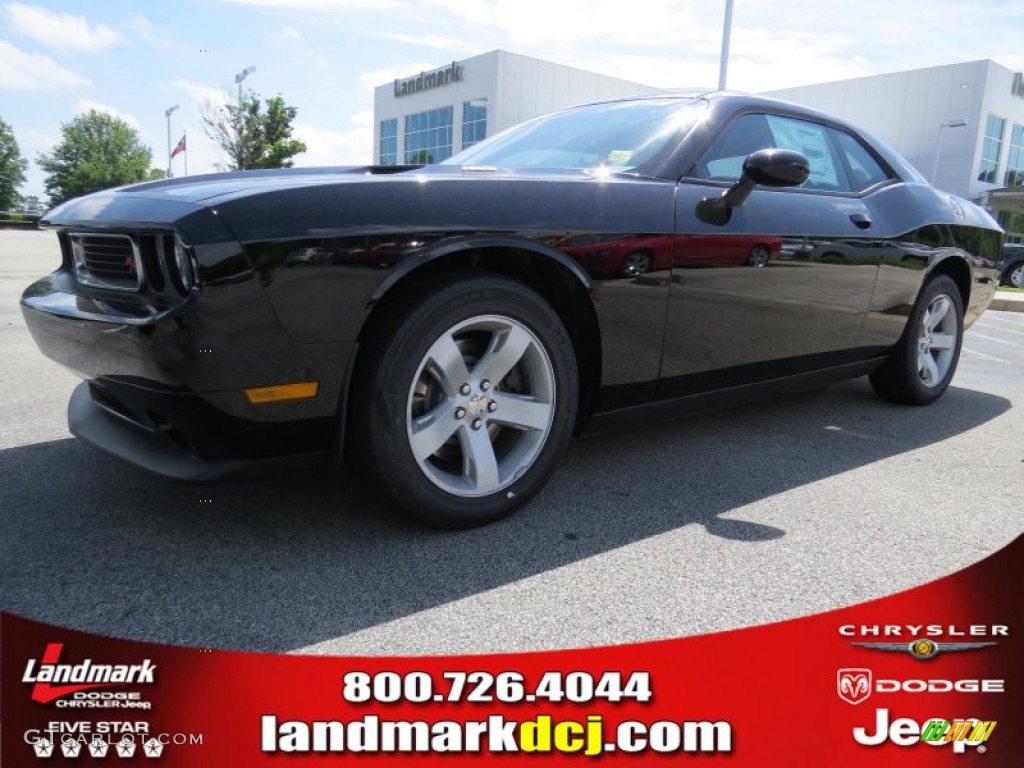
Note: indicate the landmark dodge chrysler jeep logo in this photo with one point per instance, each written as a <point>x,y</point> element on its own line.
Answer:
<point>79,677</point>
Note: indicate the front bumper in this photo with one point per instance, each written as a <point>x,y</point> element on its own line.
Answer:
<point>164,449</point>
<point>165,391</point>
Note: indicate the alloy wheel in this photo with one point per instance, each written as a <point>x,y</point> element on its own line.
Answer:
<point>481,405</point>
<point>937,340</point>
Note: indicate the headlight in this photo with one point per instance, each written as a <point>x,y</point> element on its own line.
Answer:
<point>183,265</point>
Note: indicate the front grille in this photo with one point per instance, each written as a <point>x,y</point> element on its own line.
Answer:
<point>107,261</point>
<point>156,263</point>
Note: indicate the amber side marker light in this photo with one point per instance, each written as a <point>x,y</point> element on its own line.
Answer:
<point>260,395</point>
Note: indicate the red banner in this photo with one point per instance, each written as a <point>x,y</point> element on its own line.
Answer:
<point>928,677</point>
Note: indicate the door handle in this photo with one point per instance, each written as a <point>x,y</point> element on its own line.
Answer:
<point>860,220</point>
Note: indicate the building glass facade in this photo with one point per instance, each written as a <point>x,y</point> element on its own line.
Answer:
<point>988,169</point>
<point>1015,158</point>
<point>389,141</point>
<point>428,136</point>
<point>474,123</point>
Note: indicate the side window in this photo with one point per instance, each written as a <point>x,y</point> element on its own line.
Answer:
<point>864,169</point>
<point>811,140</point>
<point>723,160</point>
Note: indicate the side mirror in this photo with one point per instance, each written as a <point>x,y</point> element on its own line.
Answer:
<point>766,168</point>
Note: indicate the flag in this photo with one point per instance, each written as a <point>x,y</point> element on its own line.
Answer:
<point>180,148</point>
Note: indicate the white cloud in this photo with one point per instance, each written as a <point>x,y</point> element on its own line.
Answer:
<point>373,78</point>
<point>143,30</point>
<point>203,93</point>
<point>85,105</point>
<point>449,44</point>
<point>23,71</point>
<point>323,5</point>
<point>60,30</point>
<point>353,146</point>
<point>292,33</point>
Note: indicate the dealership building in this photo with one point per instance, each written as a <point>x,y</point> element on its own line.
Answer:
<point>961,125</point>
<point>428,116</point>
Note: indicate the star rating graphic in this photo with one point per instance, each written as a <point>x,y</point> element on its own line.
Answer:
<point>125,748</point>
<point>71,748</point>
<point>98,747</point>
<point>154,748</point>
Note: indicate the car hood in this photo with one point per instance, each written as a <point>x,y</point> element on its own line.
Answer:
<point>253,203</point>
<point>164,201</point>
<point>209,189</point>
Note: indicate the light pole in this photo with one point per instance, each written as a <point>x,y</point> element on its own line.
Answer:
<point>239,78</point>
<point>723,67</point>
<point>956,122</point>
<point>167,114</point>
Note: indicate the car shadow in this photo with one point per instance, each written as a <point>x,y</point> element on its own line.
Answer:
<point>282,564</point>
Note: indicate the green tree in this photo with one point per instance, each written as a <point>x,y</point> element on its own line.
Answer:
<point>12,167</point>
<point>98,151</point>
<point>31,203</point>
<point>251,137</point>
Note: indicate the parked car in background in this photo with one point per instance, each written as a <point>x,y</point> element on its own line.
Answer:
<point>449,327</point>
<point>1013,265</point>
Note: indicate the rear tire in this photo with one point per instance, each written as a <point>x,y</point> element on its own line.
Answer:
<point>1015,276</point>
<point>467,401</point>
<point>921,365</point>
<point>759,256</point>
<point>637,263</point>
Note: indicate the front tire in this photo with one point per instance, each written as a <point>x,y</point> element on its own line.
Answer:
<point>921,365</point>
<point>467,401</point>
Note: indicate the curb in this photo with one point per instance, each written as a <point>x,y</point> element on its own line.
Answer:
<point>1007,302</point>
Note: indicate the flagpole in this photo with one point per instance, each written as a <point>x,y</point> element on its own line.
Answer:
<point>167,114</point>
<point>185,136</point>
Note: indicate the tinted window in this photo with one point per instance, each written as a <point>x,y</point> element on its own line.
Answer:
<point>748,133</point>
<point>617,136</point>
<point>864,170</point>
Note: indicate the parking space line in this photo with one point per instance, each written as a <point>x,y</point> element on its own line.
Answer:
<point>982,356</point>
<point>976,335</point>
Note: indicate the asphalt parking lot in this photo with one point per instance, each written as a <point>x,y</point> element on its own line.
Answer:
<point>755,514</point>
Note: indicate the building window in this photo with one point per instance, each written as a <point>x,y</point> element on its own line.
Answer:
<point>474,123</point>
<point>988,171</point>
<point>1015,159</point>
<point>428,136</point>
<point>389,141</point>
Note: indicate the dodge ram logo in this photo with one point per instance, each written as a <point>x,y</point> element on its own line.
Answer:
<point>853,685</point>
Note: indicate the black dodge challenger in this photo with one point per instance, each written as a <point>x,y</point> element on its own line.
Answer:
<point>438,325</point>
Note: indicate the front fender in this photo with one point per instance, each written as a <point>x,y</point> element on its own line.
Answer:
<point>473,243</point>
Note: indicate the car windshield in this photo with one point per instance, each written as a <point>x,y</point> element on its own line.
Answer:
<point>617,136</point>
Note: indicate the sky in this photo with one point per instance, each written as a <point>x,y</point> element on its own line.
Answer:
<point>60,58</point>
